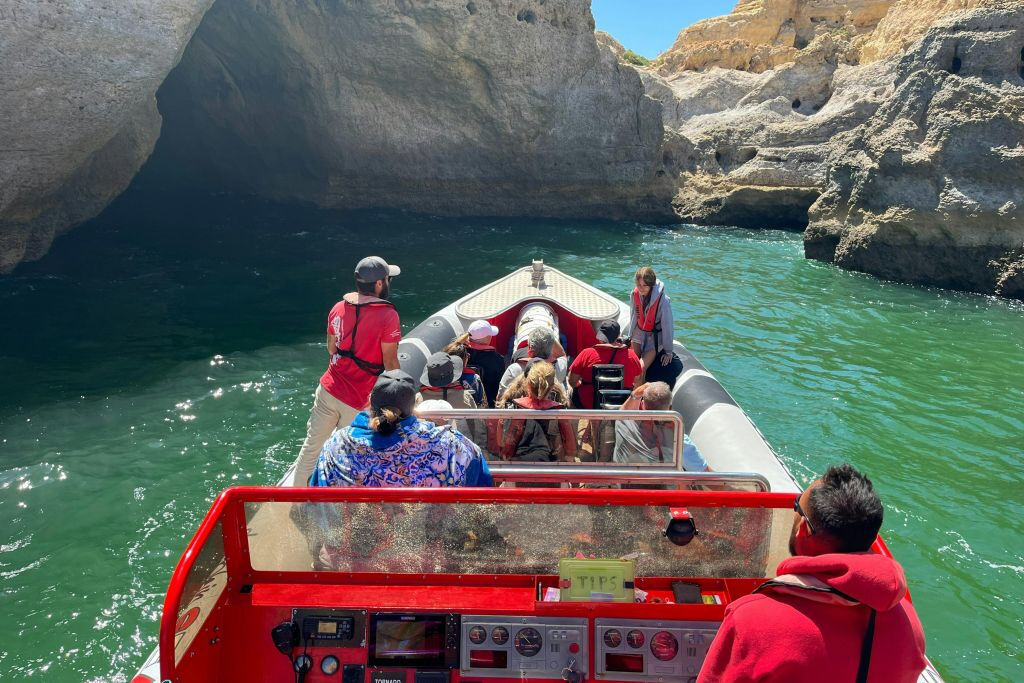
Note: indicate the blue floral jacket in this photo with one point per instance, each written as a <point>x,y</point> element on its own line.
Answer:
<point>418,453</point>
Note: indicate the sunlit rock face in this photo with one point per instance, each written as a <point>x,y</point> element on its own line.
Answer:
<point>894,136</point>
<point>453,107</point>
<point>931,188</point>
<point>78,115</point>
<point>764,34</point>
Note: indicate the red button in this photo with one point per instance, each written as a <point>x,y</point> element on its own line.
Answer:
<point>574,648</point>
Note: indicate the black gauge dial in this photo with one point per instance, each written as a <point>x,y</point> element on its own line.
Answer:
<point>635,639</point>
<point>477,635</point>
<point>528,641</point>
<point>664,646</point>
<point>499,635</point>
<point>613,637</point>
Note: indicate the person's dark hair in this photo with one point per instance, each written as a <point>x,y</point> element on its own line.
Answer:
<point>385,420</point>
<point>846,507</point>
<point>368,288</point>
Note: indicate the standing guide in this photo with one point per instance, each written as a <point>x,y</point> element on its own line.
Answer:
<point>363,331</point>
<point>650,329</point>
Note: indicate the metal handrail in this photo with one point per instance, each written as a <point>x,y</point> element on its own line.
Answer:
<point>624,474</point>
<point>568,414</point>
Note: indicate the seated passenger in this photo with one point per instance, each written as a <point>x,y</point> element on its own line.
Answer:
<point>541,344</point>
<point>833,607</point>
<point>442,379</point>
<point>651,442</point>
<point>390,446</point>
<point>482,354</point>
<point>468,379</point>
<point>537,440</point>
<point>609,349</point>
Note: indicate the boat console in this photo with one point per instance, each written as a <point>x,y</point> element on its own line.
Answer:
<point>448,585</point>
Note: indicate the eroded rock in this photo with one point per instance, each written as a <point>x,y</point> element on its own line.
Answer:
<point>78,115</point>
<point>929,189</point>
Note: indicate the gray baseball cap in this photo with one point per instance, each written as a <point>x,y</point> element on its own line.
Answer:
<point>373,268</point>
<point>395,388</point>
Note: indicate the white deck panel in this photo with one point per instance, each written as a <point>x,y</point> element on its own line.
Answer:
<point>568,292</point>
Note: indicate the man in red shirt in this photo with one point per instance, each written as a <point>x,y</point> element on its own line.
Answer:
<point>608,350</point>
<point>836,611</point>
<point>363,331</point>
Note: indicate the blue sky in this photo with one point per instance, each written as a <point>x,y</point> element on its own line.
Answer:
<point>649,27</point>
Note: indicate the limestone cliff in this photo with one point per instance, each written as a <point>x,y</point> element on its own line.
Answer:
<point>763,34</point>
<point>446,106</point>
<point>914,151</point>
<point>929,189</point>
<point>78,115</point>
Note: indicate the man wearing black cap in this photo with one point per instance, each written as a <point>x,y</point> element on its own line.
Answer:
<point>607,350</point>
<point>363,331</point>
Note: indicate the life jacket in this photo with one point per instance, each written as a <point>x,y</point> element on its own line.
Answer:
<point>534,444</point>
<point>457,386</point>
<point>369,367</point>
<point>648,320</point>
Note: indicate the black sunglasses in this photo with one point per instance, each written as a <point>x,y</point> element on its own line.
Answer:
<point>800,511</point>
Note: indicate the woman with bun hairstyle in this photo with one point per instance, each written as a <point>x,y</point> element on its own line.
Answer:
<point>389,446</point>
<point>650,323</point>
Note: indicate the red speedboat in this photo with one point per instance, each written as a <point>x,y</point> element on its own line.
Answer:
<point>492,585</point>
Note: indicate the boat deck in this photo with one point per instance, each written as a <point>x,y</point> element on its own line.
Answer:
<point>568,292</point>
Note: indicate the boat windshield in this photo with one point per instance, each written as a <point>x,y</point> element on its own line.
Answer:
<point>509,537</point>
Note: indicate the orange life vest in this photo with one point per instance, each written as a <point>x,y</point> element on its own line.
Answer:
<point>646,320</point>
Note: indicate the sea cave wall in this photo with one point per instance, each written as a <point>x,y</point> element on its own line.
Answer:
<point>78,116</point>
<point>452,107</point>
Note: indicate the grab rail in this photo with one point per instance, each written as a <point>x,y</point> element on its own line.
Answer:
<point>589,474</point>
<point>569,414</point>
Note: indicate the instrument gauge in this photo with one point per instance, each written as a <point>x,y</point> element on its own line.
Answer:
<point>528,641</point>
<point>635,638</point>
<point>613,637</point>
<point>664,646</point>
<point>477,635</point>
<point>499,635</point>
<point>329,664</point>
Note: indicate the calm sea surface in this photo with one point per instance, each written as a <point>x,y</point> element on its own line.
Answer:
<point>170,348</point>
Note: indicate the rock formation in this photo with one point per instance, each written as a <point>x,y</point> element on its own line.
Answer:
<point>447,106</point>
<point>931,188</point>
<point>914,151</point>
<point>78,115</point>
<point>764,34</point>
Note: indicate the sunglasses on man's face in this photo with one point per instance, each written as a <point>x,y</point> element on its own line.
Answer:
<point>800,511</point>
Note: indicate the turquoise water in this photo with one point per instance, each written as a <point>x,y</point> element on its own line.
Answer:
<point>170,348</point>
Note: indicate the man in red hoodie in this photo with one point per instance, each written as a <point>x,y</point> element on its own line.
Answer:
<point>835,612</point>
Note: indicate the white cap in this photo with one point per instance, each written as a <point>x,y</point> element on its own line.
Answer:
<point>433,404</point>
<point>478,329</point>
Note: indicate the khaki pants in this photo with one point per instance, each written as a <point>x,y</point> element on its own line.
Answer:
<point>327,415</point>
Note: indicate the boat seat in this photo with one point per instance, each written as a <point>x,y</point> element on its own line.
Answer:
<point>611,399</point>
<point>607,376</point>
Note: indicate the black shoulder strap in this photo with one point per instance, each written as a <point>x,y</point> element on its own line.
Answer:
<point>865,650</point>
<point>366,366</point>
